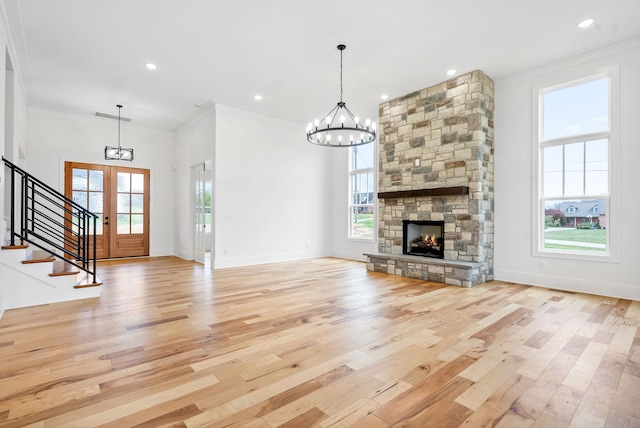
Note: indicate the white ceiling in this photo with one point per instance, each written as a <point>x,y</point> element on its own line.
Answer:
<point>82,56</point>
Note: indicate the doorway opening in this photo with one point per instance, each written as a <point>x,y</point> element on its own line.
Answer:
<point>120,198</point>
<point>202,175</point>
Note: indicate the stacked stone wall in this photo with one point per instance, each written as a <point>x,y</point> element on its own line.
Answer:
<point>438,137</point>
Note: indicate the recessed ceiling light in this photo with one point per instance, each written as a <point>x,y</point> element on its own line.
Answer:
<point>206,103</point>
<point>384,96</point>
<point>585,23</point>
<point>150,66</point>
<point>451,72</point>
<point>258,97</point>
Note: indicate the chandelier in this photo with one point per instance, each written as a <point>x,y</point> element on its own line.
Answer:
<point>118,153</point>
<point>346,131</point>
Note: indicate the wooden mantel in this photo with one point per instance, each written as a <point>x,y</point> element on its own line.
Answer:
<point>438,191</point>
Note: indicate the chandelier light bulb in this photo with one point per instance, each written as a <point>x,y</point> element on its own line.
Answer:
<point>367,122</point>
<point>328,120</point>
<point>317,122</point>
<point>585,23</point>
<point>356,120</point>
<point>373,126</point>
<point>342,119</point>
<point>328,137</point>
<point>350,137</point>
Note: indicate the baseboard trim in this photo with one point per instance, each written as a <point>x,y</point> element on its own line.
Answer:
<point>610,289</point>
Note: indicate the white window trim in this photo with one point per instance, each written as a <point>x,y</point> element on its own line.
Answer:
<point>564,78</point>
<point>350,174</point>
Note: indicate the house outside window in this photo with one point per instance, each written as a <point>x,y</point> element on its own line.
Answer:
<point>361,192</point>
<point>574,151</point>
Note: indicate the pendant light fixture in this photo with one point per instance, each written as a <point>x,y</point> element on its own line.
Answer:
<point>118,153</point>
<point>340,127</point>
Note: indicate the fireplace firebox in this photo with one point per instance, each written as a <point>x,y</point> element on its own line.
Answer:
<point>423,238</point>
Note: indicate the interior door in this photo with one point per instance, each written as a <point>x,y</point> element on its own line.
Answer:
<point>120,198</point>
<point>200,226</point>
<point>202,209</point>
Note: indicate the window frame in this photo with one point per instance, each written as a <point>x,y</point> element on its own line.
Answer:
<point>561,80</point>
<point>374,202</point>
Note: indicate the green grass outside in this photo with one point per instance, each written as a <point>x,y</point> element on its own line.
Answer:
<point>365,220</point>
<point>207,219</point>
<point>571,247</point>
<point>135,220</point>
<point>594,236</point>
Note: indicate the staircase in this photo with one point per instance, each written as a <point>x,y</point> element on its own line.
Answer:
<point>48,256</point>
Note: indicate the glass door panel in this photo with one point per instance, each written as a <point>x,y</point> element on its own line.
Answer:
<point>85,184</point>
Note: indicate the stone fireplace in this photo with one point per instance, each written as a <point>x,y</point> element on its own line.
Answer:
<point>436,164</point>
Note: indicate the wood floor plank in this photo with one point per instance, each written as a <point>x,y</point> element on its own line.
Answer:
<point>485,387</point>
<point>500,402</point>
<point>585,367</point>
<point>317,343</point>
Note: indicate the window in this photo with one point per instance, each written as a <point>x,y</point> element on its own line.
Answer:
<point>361,191</point>
<point>574,146</point>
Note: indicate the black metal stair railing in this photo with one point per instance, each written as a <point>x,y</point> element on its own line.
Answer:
<point>51,221</point>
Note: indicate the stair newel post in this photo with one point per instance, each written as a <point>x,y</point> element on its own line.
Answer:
<point>12,237</point>
<point>24,208</point>
<point>80,233</point>
<point>85,241</point>
<point>94,248</point>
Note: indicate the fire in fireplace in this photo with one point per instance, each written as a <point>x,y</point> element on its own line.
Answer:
<point>423,238</point>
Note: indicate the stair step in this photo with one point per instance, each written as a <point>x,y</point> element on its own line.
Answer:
<point>62,268</point>
<point>14,247</point>
<point>39,257</point>
<point>87,281</point>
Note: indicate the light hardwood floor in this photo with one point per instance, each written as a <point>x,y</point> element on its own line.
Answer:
<point>322,343</point>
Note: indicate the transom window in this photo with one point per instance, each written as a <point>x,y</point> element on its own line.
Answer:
<point>361,191</point>
<point>574,146</point>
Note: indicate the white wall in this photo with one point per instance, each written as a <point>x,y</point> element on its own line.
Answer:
<point>194,144</point>
<point>514,174</point>
<point>15,147</point>
<point>55,138</point>
<point>271,191</point>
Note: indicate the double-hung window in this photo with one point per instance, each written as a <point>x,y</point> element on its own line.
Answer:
<point>361,191</point>
<point>574,163</point>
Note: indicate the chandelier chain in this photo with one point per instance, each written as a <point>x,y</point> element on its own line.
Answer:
<point>119,109</point>
<point>341,50</point>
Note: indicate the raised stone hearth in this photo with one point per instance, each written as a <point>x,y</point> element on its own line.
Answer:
<point>436,164</point>
<point>436,270</point>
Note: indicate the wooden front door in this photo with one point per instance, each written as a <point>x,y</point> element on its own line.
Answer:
<point>120,198</point>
